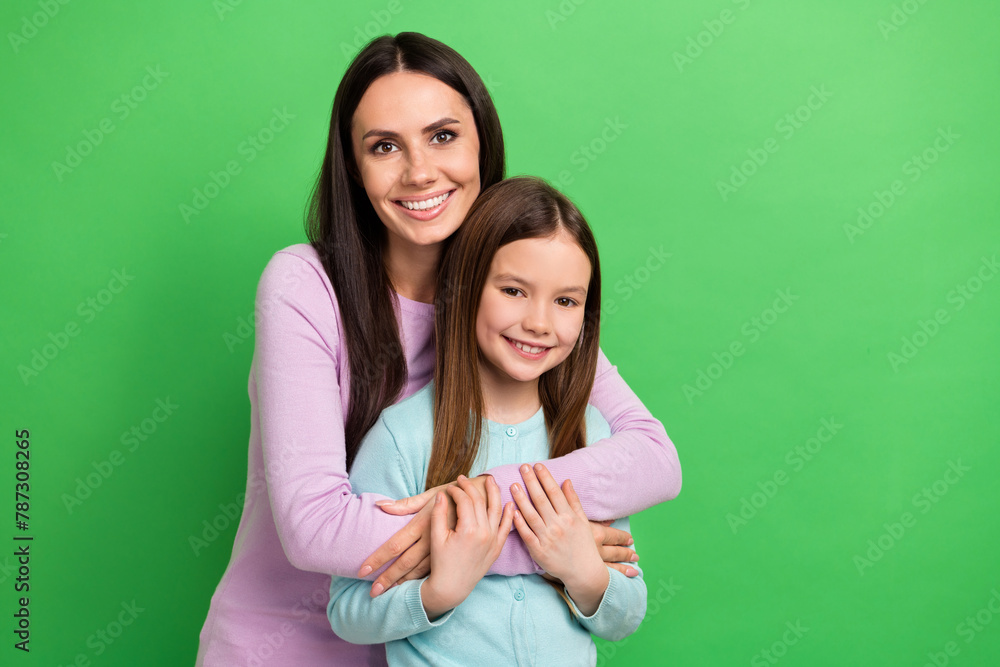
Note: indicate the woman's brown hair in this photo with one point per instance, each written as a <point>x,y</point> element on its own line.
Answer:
<point>348,235</point>
<point>515,209</point>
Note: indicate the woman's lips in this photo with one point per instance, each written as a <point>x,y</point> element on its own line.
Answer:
<point>425,213</point>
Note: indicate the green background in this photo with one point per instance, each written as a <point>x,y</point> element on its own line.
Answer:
<point>595,97</point>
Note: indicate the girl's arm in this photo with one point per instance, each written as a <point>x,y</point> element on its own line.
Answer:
<point>634,469</point>
<point>552,524</point>
<point>299,357</point>
<point>460,557</point>
<point>623,606</point>
<point>398,612</point>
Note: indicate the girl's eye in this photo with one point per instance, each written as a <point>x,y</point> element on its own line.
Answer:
<point>443,137</point>
<point>566,302</point>
<point>510,291</point>
<point>383,148</point>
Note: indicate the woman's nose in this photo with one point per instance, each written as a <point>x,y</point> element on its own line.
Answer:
<point>420,169</point>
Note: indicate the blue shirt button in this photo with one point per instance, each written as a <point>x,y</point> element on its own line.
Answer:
<point>518,595</point>
<point>511,432</point>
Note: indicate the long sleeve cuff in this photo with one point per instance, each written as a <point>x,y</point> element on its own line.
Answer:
<point>621,610</point>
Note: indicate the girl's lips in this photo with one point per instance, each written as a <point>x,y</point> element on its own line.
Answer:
<point>524,353</point>
<point>426,214</point>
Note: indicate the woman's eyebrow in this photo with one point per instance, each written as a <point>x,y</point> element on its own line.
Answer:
<point>438,124</point>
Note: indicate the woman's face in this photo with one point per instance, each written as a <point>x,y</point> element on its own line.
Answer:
<point>417,151</point>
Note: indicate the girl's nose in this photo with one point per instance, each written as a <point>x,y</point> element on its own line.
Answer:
<point>536,319</point>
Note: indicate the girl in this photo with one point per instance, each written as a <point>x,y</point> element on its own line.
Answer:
<point>516,356</point>
<point>344,329</point>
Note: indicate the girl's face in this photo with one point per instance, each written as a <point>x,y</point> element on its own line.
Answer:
<point>417,151</point>
<point>532,308</point>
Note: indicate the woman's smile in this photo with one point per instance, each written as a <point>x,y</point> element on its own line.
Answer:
<point>425,207</point>
<point>417,153</point>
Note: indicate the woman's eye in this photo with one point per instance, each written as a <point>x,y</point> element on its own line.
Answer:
<point>383,148</point>
<point>510,291</point>
<point>442,137</point>
<point>566,302</point>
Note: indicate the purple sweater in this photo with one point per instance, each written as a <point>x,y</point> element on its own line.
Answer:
<point>301,522</point>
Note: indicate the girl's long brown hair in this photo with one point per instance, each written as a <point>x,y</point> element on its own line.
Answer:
<point>515,209</point>
<point>348,235</point>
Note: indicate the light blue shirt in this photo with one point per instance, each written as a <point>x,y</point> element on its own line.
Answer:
<point>518,620</point>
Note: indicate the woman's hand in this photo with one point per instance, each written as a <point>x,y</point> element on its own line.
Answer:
<point>411,543</point>
<point>559,536</point>
<point>461,557</point>
<point>613,545</point>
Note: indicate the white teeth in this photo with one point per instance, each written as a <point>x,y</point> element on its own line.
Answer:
<point>425,204</point>
<point>527,348</point>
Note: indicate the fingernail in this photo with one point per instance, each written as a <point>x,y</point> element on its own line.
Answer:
<point>633,558</point>
<point>630,542</point>
<point>378,588</point>
<point>461,477</point>
<point>365,571</point>
<point>631,572</point>
<point>525,468</point>
<point>383,503</point>
<point>515,487</point>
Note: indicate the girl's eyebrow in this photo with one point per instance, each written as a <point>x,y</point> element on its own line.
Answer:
<point>436,125</point>
<point>511,278</point>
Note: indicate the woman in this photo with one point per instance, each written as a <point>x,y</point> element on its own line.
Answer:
<point>345,328</point>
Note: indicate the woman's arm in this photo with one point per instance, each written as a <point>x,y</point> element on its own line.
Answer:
<point>634,469</point>
<point>299,358</point>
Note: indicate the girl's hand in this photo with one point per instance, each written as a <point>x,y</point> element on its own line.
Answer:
<point>559,536</point>
<point>461,557</point>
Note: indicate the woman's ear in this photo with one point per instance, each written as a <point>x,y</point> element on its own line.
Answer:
<point>352,169</point>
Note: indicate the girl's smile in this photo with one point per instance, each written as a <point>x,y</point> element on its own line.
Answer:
<point>533,352</point>
<point>531,311</point>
